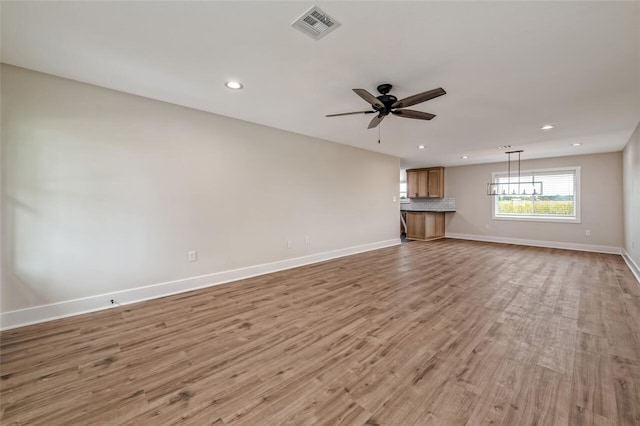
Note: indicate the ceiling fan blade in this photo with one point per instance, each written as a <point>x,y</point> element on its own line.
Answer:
<point>420,97</point>
<point>376,120</point>
<point>409,113</point>
<point>350,113</point>
<point>368,97</point>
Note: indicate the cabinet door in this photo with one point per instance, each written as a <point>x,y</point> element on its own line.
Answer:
<point>412,183</point>
<point>429,225</point>
<point>434,225</point>
<point>435,183</point>
<point>415,225</point>
<point>439,230</point>
<point>423,183</point>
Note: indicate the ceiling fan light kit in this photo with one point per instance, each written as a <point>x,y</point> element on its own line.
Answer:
<point>386,104</point>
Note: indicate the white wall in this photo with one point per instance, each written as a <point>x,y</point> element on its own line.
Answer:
<point>105,191</point>
<point>601,203</point>
<point>631,186</point>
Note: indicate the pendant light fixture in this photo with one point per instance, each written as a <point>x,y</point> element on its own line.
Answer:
<point>514,188</point>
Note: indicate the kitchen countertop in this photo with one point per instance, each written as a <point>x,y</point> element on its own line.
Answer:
<point>431,210</point>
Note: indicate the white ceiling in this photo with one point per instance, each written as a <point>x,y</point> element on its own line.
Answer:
<point>508,67</point>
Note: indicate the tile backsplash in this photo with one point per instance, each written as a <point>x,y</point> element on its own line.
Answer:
<point>435,204</point>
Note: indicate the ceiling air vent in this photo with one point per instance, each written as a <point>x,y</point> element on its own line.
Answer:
<point>315,23</point>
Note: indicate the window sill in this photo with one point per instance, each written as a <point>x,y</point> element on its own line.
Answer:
<point>538,219</point>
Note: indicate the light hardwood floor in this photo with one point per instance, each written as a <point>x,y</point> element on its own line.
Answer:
<point>446,332</point>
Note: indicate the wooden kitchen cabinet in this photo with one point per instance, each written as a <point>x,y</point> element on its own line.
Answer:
<point>425,183</point>
<point>425,225</point>
<point>435,182</point>
<point>413,184</point>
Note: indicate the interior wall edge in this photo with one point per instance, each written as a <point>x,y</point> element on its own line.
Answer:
<point>536,243</point>
<point>635,269</point>
<point>44,313</point>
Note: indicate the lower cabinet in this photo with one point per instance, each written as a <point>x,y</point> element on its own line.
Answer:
<point>425,225</point>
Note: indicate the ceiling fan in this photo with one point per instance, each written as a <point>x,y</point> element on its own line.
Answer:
<point>388,104</point>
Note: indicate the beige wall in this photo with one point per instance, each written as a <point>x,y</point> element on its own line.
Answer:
<point>601,206</point>
<point>631,186</point>
<point>105,191</point>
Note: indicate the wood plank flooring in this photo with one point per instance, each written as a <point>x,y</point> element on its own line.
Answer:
<point>448,332</point>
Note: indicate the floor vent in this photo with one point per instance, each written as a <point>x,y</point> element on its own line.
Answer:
<point>315,23</point>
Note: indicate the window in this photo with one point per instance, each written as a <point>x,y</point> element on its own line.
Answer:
<point>558,202</point>
<point>403,192</point>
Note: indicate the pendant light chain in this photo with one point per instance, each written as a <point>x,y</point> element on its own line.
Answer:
<point>519,171</point>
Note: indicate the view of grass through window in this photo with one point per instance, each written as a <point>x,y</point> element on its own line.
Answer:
<point>558,198</point>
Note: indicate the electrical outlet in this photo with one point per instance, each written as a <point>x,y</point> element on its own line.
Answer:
<point>193,256</point>
<point>307,240</point>
<point>394,199</point>
<point>486,226</point>
<point>587,232</point>
<point>289,243</point>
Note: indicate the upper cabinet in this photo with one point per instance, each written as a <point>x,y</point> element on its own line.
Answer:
<point>417,183</point>
<point>425,183</point>
<point>435,182</point>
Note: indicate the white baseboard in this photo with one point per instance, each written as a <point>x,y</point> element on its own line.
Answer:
<point>37,314</point>
<point>536,243</point>
<point>635,269</point>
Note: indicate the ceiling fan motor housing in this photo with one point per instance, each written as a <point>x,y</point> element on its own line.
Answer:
<point>387,100</point>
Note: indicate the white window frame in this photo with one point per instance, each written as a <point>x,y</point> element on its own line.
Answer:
<point>541,218</point>
<point>405,200</point>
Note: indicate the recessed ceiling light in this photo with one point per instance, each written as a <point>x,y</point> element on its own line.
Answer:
<point>421,146</point>
<point>233,85</point>
<point>547,127</point>
<point>576,144</point>
<point>464,157</point>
